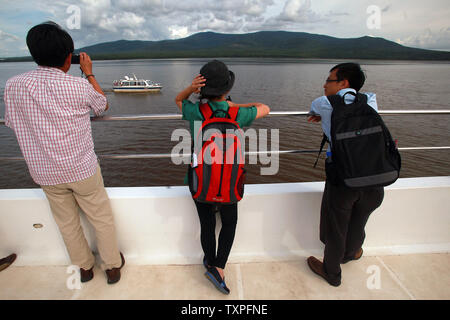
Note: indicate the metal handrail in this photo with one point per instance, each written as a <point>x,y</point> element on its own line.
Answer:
<point>186,155</point>
<point>271,114</point>
<point>145,117</point>
<point>250,153</point>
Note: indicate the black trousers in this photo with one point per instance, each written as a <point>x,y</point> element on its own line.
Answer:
<point>343,217</point>
<point>207,214</point>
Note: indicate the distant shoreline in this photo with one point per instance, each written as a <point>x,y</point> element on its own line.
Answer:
<point>94,58</point>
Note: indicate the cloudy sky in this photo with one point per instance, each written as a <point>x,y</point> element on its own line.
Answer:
<point>415,23</point>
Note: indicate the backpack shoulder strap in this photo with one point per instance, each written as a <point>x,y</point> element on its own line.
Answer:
<point>335,100</point>
<point>339,100</point>
<point>350,93</point>
<point>206,111</point>
<point>324,139</point>
<point>233,112</point>
<point>362,97</point>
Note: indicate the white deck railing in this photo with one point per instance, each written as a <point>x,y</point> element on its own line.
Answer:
<point>159,225</point>
<point>149,117</point>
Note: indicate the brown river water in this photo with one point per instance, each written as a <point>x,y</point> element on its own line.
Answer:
<point>283,84</point>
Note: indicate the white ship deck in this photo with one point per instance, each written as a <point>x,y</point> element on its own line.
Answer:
<point>406,251</point>
<point>402,277</point>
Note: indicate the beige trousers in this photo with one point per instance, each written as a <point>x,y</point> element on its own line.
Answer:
<point>90,195</point>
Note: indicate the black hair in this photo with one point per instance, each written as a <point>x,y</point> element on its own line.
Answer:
<point>209,97</point>
<point>352,72</point>
<point>49,44</point>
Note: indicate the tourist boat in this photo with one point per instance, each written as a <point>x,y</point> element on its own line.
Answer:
<point>133,84</point>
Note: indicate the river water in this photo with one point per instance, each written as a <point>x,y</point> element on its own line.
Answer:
<point>283,84</point>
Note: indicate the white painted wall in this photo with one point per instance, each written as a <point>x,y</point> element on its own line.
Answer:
<point>159,225</point>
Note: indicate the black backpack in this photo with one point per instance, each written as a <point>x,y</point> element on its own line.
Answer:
<point>363,153</point>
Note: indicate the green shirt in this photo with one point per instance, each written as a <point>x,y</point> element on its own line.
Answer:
<point>191,112</point>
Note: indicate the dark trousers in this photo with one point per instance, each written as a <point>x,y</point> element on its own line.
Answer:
<point>343,217</point>
<point>207,214</point>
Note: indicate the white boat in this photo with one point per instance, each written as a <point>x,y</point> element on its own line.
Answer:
<point>133,84</point>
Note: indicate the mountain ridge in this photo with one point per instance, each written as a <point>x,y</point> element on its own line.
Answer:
<point>266,44</point>
<point>275,44</point>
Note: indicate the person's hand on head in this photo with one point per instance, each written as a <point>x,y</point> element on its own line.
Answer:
<point>198,82</point>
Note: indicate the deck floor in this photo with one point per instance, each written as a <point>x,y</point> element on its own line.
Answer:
<point>401,277</point>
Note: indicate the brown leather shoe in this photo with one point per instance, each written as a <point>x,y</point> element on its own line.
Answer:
<point>86,275</point>
<point>357,255</point>
<point>113,274</point>
<point>317,267</point>
<point>7,261</point>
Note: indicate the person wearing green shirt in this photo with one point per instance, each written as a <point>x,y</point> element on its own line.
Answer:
<point>213,84</point>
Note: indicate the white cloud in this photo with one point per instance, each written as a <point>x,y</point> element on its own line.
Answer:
<point>11,45</point>
<point>138,4</point>
<point>429,39</point>
<point>176,32</point>
<point>110,20</point>
<point>7,37</point>
<point>299,11</point>
<point>251,7</point>
<point>220,22</point>
<point>121,21</point>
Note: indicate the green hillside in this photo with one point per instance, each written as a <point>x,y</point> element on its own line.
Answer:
<point>262,44</point>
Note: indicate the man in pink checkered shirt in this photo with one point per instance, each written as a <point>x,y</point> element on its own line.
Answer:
<point>49,111</point>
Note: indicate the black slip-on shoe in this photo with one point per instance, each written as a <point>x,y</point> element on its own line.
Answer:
<point>213,275</point>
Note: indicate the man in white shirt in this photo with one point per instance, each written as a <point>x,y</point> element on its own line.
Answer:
<point>344,211</point>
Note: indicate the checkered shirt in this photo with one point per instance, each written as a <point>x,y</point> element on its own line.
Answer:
<point>49,112</point>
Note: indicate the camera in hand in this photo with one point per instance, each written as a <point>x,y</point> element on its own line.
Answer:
<point>75,59</point>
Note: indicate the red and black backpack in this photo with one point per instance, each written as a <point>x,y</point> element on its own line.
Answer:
<point>216,173</point>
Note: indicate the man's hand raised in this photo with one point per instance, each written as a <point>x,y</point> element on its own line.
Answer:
<point>85,63</point>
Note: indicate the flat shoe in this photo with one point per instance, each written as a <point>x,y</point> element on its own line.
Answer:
<point>7,261</point>
<point>213,275</point>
